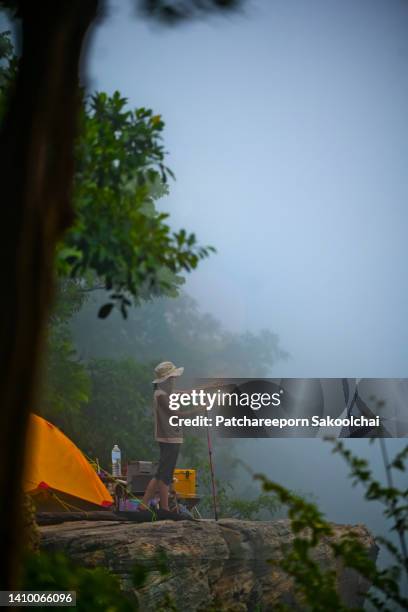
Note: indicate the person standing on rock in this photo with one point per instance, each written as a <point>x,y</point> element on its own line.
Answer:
<point>169,437</point>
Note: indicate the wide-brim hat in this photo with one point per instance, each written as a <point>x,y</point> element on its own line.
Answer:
<point>166,370</point>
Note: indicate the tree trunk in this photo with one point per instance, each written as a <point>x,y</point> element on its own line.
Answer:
<point>36,166</point>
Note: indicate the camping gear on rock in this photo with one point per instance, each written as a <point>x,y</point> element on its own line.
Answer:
<point>139,474</point>
<point>184,483</point>
<point>116,461</point>
<point>56,518</point>
<point>185,512</point>
<point>57,475</point>
<point>128,505</point>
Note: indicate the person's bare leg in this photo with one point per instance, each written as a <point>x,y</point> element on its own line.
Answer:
<point>150,492</point>
<point>164,495</point>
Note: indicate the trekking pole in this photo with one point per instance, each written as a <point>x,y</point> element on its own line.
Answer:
<point>214,493</point>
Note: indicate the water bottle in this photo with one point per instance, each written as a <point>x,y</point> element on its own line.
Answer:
<point>116,461</point>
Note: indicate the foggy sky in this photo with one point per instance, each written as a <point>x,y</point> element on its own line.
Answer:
<point>287,130</point>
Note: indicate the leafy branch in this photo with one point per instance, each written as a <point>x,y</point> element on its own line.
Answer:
<point>119,240</point>
<point>316,588</point>
<point>394,499</point>
<point>119,235</point>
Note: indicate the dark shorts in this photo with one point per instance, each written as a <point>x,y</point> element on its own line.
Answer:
<point>168,458</point>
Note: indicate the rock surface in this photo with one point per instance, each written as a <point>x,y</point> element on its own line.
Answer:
<point>212,566</point>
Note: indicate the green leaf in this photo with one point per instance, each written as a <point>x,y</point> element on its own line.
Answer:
<point>105,310</point>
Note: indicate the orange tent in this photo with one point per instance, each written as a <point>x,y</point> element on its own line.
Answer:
<point>57,473</point>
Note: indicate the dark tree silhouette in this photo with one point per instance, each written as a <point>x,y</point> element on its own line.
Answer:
<point>36,165</point>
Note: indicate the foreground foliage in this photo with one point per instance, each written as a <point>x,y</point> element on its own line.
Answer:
<point>315,587</point>
<point>96,589</point>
